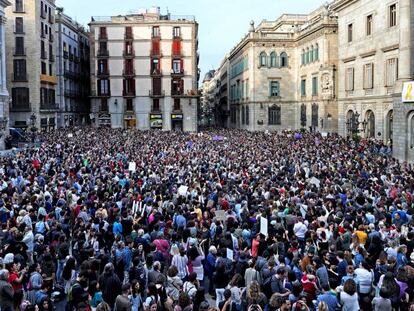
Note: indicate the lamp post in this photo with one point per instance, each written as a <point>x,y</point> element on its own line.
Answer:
<point>355,126</point>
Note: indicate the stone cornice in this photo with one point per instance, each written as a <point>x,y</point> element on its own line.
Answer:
<point>391,48</point>
<point>339,5</point>
<point>5,3</point>
<point>349,59</point>
<point>368,54</point>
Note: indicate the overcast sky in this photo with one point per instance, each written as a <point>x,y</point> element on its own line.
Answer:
<point>222,23</point>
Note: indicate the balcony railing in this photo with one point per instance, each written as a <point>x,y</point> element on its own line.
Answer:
<point>43,14</point>
<point>103,53</point>
<point>42,35</point>
<point>103,36</point>
<point>20,52</point>
<point>51,37</point>
<point>65,54</point>
<point>19,77</point>
<point>51,19</point>
<point>43,55</point>
<point>157,93</point>
<point>48,107</point>
<point>71,56</point>
<point>20,108</point>
<point>155,73</point>
<point>177,92</point>
<point>129,36</point>
<point>128,54</point>
<point>102,73</point>
<point>128,93</point>
<point>177,73</point>
<point>128,72</point>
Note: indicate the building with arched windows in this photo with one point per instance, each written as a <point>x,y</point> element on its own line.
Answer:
<point>282,74</point>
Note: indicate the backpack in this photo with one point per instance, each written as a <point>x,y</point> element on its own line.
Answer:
<point>70,292</point>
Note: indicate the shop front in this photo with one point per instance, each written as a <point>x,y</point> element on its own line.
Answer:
<point>156,121</point>
<point>130,122</point>
<point>104,120</point>
<point>177,122</point>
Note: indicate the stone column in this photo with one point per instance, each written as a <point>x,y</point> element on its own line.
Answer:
<point>405,40</point>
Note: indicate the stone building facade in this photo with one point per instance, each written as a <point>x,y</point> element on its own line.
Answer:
<point>283,75</point>
<point>144,71</point>
<point>4,94</point>
<point>72,58</point>
<point>31,69</point>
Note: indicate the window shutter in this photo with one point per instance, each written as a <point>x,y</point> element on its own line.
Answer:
<point>270,88</point>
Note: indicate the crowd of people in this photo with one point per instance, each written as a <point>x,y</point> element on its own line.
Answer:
<point>228,220</point>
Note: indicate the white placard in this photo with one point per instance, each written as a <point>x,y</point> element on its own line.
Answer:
<point>70,135</point>
<point>220,215</point>
<point>132,167</point>
<point>183,190</point>
<point>263,226</point>
<point>230,254</point>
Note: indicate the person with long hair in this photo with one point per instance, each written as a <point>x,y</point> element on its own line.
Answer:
<point>348,298</point>
<point>253,296</point>
<point>69,273</point>
<point>390,286</point>
<point>236,291</point>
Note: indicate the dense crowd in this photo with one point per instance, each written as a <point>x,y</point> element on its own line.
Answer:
<point>102,219</point>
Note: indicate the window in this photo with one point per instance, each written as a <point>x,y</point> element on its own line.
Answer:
<point>129,86</point>
<point>102,33</point>
<point>246,89</point>
<point>155,66</point>
<point>129,104</point>
<point>303,87</point>
<point>263,59</point>
<point>247,115</point>
<point>303,115</point>
<point>176,32</point>
<point>275,115</point>
<point>19,6</point>
<point>350,32</point>
<point>311,54</point>
<point>128,48</point>
<point>128,32</point>
<point>349,79</point>
<point>274,89</point>
<point>104,104</point>
<point>19,68</point>
<point>20,96</point>
<point>303,57</point>
<point>103,46</point>
<point>156,86</point>
<point>307,56</point>
<point>155,31</point>
<point>103,66</point>
<point>177,65</point>
<point>273,59</point>
<point>156,104</point>
<point>391,71</point>
<point>392,15</point>
<point>369,25</point>
<point>243,116</point>
<point>368,76</point>
<point>50,70</point>
<point>20,46</point>
<point>177,104</point>
<point>314,120</point>
<point>283,60</point>
<point>43,68</point>
<point>19,25</point>
<point>314,86</point>
<point>316,52</point>
<point>103,87</point>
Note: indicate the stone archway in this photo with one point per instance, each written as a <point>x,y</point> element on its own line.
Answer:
<point>349,122</point>
<point>389,123</point>
<point>370,127</point>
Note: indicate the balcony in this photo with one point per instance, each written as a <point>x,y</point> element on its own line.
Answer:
<point>20,52</point>
<point>156,93</point>
<point>177,73</point>
<point>177,54</point>
<point>48,107</point>
<point>71,57</point>
<point>128,73</point>
<point>102,74</point>
<point>103,37</point>
<point>43,14</point>
<point>19,77</point>
<point>176,93</point>
<point>20,108</point>
<point>48,79</point>
<point>129,36</point>
<point>128,93</point>
<point>65,54</point>
<point>51,19</point>
<point>101,94</point>
<point>51,57</point>
<point>42,35</point>
<point>69,74</point>
<point>156,53</point>
<point>51,37</point>
<point>103,53</point>
<point>128,54</point>
<point>155,73</point>
<point>43,55</point>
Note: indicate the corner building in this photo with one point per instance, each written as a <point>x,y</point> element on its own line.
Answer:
<point>144,71</point>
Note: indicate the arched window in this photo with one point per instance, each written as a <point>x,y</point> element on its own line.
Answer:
<point>283,60</point>
<point>315,109</point>
<point>311,54</point>
<point>303,115</point>
<point>316,52</point>
<point>275,117</point>
<point>247,115</point>
<point>273,60</point>
<point>263,59</point>
<point>307,56</point>
<point>303,57</point>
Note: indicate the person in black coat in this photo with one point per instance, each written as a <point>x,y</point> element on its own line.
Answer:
<point>110,285</point>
